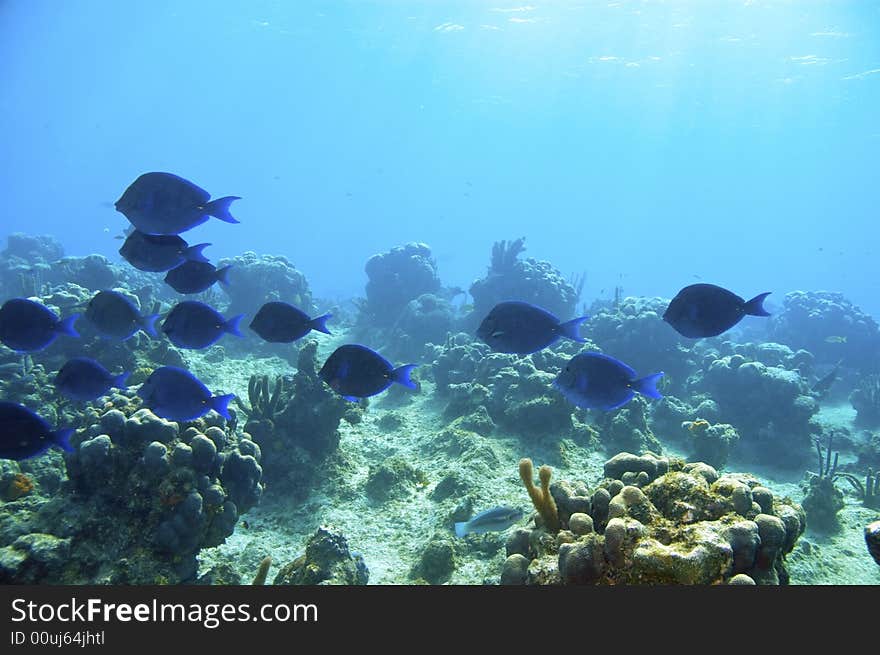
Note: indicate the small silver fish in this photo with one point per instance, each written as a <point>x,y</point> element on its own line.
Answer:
<point>492,520</point>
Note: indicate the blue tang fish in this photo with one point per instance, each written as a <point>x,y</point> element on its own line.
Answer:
<point>521,328</point>
<point>115,316</point>
<point>23,434</point>
<point>278,322</point>
<point>177,395</point>
<point>192,324</point>
<point>355,371</point>
<point>82,378</point>
<point>491,520</point>
<point>156,253</point>
<point>597,381</point>
<point>706,310</point>
<point>164,203</point>
<point>195,277</point>
<point>27,326</point>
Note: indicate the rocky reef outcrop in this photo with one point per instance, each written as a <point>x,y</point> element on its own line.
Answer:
<point>671,523</point>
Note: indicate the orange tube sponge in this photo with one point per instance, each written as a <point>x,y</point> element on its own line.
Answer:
<point>541,497</point>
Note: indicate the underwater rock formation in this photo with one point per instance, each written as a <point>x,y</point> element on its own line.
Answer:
<point>257,279</point>
<point>770,406</point>
<point>426,319</point>
<point>865,399</point>
<point>327,561</point>
<point>437,561</point>
<point>632,329</point>
<point>25,263</point>
<point>394,477</point>
<point>829,326</point>
<point>296,424</point>
<point>823,499</point>
<point>528,280</point>
<point>627,428</point>
<point>395,278</point>
<point>687,526</point>
<point>515,392</point>
<point>144,496</point>
<point>711,443</point>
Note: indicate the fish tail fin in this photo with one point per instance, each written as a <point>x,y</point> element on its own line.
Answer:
<point>571,329</point>
<point>461,529</point>
<point>647,386</point>
<point>220,208</point>
<point>319,323</point>
<point>223,275</point>
<point>232,327</point>
<point>194,253</point>
<point>65,326</point>
<point>61,438</point>
<point>401,376</point>
<point>148,324</point>
<point>754,306</point>
<point>118,381</point>
<point>220,404</point>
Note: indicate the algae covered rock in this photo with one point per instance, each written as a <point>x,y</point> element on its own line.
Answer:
<point>437,561</point>
<point>393,478</point>
<point>326,561</point>
<point>687,526</point>
<point>142,498</point>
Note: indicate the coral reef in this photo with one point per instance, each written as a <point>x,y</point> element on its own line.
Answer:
<point>436,562</point>
<point>711,443</point>
<point>395,477</point>
<point>258,279</point>
<point>395,278</point>
<point>823,499</point>
<point>511,278</point>
<point>865,399</point>
<point>770,406</point>
<point>326,561</point>
<point>144,496</point>
<point>829,326</point>
<point>633,327</point>
<point>487,389</point>
<point>296,425</point>
<point>627,428</point>
<point>426,319</point>
<point>687,526</point>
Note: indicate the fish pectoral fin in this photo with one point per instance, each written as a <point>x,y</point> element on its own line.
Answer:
<point>497,333</point>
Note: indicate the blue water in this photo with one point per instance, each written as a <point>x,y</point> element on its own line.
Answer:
<point>645,143</point>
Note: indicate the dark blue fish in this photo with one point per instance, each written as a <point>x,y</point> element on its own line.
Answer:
<point>177,395</point>
<point>706,310</point>
<point>195,277</point>
<point>192,324</point>
<point>27,326</point>
<point>492,520</point>
<point>163,203</point>
<point>116,317</point>
<point>597,381</point>
<point>522,328</point>
<point>85,379</point>
<point>355,371</point>
<point>279,322</point>
<point>155,253</point>
<point>23,434</point>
